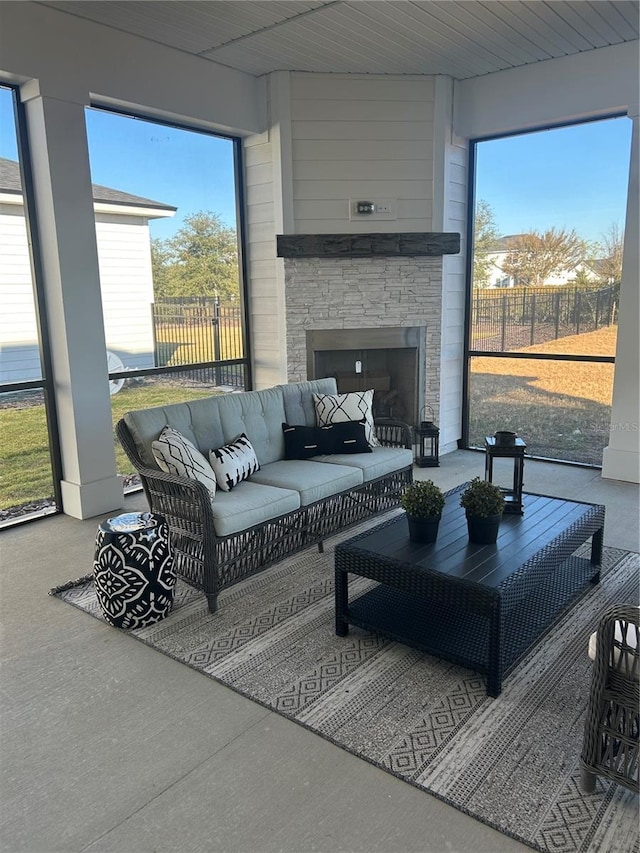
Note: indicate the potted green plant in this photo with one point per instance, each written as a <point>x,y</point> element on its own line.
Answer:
<point>484,504</point>
<point>423,502</point>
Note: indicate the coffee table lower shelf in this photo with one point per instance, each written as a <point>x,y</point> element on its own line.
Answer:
<point>462,636</point>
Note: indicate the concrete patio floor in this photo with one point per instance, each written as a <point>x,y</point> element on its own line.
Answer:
<point>108,745</point>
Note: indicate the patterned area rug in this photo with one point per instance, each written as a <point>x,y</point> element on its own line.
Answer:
<point>511,762</point>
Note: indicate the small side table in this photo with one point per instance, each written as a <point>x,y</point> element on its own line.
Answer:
<point>133,570</point>
<point>514,450</point>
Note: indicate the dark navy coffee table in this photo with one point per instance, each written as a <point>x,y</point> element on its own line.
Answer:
<point>481,606</point>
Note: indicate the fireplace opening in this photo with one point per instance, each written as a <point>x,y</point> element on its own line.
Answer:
<point>389,359</point>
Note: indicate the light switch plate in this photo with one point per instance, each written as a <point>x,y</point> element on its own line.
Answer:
<point>384,208</point>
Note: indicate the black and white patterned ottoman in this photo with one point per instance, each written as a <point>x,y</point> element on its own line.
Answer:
<point>133,570</point>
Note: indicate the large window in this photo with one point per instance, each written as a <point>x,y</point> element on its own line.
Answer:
<point>168,237</point>
<point>29,462</point>
<point>547,236</point>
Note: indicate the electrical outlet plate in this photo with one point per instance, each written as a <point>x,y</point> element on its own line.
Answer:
<point>384,208</point>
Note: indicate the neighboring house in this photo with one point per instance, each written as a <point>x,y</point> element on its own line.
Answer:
<point>124,256</point>
<point>496,277</point>
<point>598,269</point>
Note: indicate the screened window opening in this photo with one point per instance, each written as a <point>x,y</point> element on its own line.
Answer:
<point>545,287</point>
<point>29,459</point>
<point>168,237</point>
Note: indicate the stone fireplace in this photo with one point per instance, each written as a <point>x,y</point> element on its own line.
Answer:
<point>368,309</point>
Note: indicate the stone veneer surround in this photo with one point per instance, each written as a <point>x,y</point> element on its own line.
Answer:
<point>345,293</point>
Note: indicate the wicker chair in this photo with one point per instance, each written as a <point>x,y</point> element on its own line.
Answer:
<point>610,747</point>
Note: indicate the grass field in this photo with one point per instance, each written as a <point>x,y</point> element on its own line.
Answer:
<point>561,409</point>
<point>188,343</point>
<point>24,451</point>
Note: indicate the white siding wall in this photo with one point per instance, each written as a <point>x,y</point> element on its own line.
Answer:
<point>453,296</point>
<point>261,258</point>
<point>268,203</point>
<point>450,178</point>
<point>127,293</point>
<point>361,137</point>
<point>19,356</point>
<point>126,283</point>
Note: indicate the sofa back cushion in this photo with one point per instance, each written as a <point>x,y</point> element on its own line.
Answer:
<point>212,422</point>
<point>254,413</point>
<point>298,400</point>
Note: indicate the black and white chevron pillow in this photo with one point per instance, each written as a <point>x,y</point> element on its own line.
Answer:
<point>355,406</point>
<point>234,462</point>
<point>175,454</point>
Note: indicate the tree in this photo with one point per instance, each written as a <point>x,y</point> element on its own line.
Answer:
<point>201,259</point>
<point>485,236</point>
<point>610,265</point>
<point>535,256</point>
<point>161,261</point>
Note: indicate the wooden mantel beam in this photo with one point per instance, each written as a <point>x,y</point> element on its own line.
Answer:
<point>432,244</point>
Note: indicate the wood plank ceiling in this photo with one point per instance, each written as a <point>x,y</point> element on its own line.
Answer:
<point>459,38</point>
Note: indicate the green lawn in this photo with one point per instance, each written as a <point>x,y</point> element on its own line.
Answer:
<point>24,451</point>
<point>24,456</point>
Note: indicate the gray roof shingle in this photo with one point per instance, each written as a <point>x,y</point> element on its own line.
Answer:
<point>11,182</point>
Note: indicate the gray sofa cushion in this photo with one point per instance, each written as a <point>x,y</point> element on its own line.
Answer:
<point>249,504</point>
<point>312,480</point>
<point>145,425</point>
<point>380,462</point>
<point>298,400</point>
<point>254,413</point>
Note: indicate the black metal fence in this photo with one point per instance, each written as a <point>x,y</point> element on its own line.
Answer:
<point>524,316</point>
<point>198,329</point>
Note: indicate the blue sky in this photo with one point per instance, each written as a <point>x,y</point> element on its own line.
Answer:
<point>573,177</point>
<point>191,171</point>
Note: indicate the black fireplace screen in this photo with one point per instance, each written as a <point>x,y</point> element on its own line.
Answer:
<point>390,361</point>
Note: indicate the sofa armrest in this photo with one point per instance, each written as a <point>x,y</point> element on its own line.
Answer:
<point>181,499</point>
<point>616,642</point>
<point>391,433</point>
<point>185,505</point>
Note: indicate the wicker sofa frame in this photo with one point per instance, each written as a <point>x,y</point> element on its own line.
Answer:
<point>610,745</point>
<point>213,563</point>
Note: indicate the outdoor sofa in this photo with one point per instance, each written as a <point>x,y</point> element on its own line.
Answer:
<point>276,505</point>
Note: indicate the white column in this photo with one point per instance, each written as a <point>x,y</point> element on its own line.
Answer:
<point>65,219</point>
<point>450,179</point>
<point>621,459</point>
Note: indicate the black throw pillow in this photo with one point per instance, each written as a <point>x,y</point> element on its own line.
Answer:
<point>303,442</point>
<point>350,437</point>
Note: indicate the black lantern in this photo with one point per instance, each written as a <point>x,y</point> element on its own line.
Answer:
<point>428,436</point>
<point>506,444</point>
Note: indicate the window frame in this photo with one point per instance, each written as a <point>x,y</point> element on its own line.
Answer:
<point>238,172</point>
<point>468,351</point>
<point>45,383</point>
